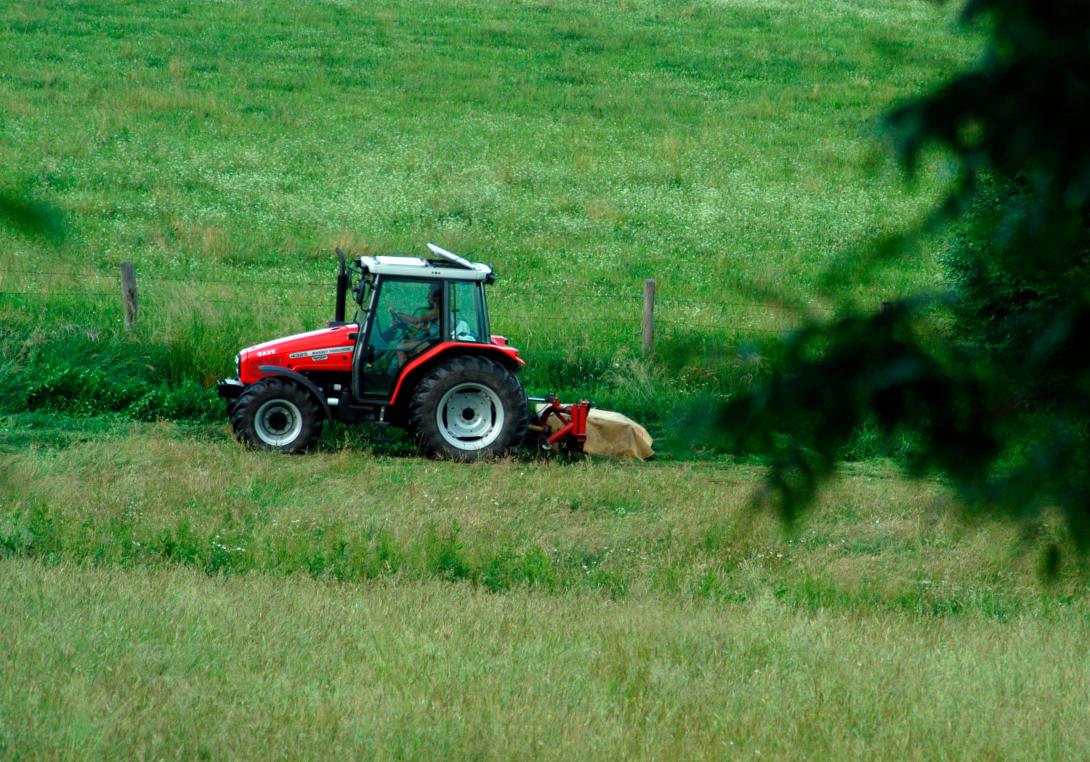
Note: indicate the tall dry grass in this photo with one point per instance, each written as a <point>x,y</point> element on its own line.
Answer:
<point>101,663</point>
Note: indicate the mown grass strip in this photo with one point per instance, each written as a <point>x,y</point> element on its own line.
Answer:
<point>142,496</point>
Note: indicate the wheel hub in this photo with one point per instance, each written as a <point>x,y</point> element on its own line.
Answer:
<point>278,422</point>
<point>470,416</point>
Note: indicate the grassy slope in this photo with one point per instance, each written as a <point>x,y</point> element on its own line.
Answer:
<point>579,147</point>
<point>167,593</point>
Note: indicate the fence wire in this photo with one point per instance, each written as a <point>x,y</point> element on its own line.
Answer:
<point>733,321</point>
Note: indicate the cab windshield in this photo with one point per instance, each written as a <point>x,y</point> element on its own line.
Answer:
<point>467,321</point>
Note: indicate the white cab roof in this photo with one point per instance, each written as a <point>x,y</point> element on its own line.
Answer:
<point>449,266</point>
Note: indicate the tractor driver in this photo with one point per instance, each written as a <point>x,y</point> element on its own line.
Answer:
<point>421,329</point>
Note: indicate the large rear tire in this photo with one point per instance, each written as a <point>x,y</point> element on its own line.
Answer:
<point>470,408</point>
<point>277,414</point>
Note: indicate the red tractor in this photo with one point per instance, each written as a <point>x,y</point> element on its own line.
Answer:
<point>417,355</point>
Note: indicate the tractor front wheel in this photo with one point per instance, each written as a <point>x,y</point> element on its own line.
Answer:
<point>468,409</point>
<point>277,414</point>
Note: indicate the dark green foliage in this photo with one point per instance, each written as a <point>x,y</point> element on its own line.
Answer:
<point>1005,307</point>
<point>1001,406</point>
<point>62,367</point>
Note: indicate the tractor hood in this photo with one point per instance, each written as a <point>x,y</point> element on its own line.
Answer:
<point>326,348</point>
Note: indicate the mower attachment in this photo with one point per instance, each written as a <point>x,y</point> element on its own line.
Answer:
<point>569,428</point>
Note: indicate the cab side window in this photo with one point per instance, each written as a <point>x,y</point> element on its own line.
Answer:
<point>466,312</point>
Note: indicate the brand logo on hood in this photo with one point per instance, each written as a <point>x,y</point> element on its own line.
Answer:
<point>320,354</point>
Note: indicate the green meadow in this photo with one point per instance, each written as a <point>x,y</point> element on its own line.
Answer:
<point>728,150</point>
<point>168,594</point>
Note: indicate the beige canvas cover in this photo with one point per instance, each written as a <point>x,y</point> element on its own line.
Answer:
<point>612,434</point>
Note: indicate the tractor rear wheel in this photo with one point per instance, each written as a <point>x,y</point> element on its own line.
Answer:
<point>277,414</point>
<point>468,409</point>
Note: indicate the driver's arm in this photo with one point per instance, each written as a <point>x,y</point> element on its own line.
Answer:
<point>427,317</point>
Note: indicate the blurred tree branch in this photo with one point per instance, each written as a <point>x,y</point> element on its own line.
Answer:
<point>1000,404</point>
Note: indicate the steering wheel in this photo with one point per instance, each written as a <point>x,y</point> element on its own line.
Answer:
<point>397,321</point>
<point>400,324</point>
<point>398,327</point>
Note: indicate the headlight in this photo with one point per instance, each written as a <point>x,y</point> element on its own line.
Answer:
<point>238,364</point>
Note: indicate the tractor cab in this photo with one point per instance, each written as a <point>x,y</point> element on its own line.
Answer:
<point>410,306</point>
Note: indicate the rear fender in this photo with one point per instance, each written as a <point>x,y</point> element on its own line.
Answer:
<point>303,381</point>
<point>416,369</point>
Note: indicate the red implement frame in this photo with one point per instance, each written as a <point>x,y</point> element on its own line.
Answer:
<point>573,418</point>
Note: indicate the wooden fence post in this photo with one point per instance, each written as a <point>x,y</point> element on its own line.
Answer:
<point>648,314</point>
<point>128,294</point>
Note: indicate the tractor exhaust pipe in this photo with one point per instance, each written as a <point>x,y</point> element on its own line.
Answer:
<point>342,288</point>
